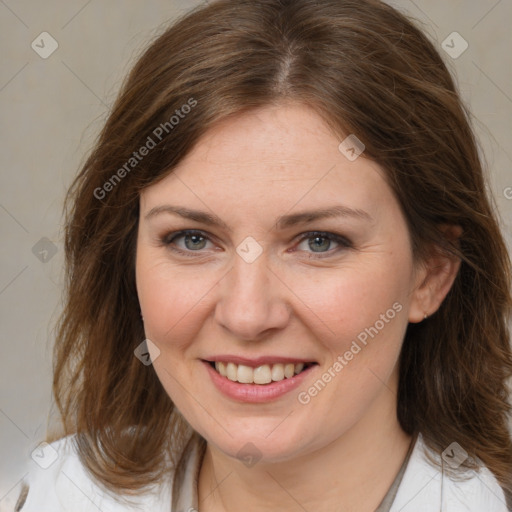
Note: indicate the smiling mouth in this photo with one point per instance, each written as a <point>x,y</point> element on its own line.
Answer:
<point>264,374</point>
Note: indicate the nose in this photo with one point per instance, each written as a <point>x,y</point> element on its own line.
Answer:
<point>252,301</point>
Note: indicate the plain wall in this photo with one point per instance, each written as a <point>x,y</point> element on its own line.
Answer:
<point>52,110</point>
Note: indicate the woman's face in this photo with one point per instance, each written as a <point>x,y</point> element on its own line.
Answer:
<point>260,287</point>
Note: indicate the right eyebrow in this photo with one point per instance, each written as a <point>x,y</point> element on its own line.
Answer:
<point>210,219</point>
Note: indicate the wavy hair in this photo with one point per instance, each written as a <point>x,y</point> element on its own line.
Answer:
<point>366,69</point>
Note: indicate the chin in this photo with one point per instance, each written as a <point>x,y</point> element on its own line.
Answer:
<point>260,445</point>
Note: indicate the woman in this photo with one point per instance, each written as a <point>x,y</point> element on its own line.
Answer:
<point>287,289</point>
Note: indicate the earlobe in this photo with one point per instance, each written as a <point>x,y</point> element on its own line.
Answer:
<point>435,278</point>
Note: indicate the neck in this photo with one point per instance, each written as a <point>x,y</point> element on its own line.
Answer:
<point>352,473</point>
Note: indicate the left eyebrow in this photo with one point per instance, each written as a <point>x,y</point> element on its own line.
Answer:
<point>286,221</point>
<point>283,222</point>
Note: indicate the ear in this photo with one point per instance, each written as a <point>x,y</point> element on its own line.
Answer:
<point>434,277</point>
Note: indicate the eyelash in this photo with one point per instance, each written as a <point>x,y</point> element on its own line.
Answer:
<point>169,239</point>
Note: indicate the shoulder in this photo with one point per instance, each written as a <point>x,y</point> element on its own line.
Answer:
<point>424,486</point>
<point>58,482</point>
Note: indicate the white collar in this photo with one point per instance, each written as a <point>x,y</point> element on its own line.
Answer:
<point>427,488</point>
<point>66,485</point>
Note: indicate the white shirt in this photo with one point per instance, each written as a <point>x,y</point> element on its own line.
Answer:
<point>65,486</point>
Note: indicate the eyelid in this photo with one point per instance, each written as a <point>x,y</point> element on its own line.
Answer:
<point>169,237</point>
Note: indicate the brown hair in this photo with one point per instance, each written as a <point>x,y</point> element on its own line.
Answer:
<point>366,69</point>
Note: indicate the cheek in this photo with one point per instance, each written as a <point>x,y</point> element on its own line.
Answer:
<point>364,314</point>
<point>348,301</point>
<point>171,299</point>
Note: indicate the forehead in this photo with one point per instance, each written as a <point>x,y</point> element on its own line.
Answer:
<point>277,156</point>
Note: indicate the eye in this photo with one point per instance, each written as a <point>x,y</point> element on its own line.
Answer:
<point>319,242</point>
<point>194,241</point>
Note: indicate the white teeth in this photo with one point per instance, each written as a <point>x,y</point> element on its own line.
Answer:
<point>245,374</point>
<point>289,370</point>
<point>277,372</point>
<point>231,372</point>
<point>221,368</point>
<point>264,374</point>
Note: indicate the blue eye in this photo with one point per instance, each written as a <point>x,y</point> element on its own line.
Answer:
<point>319,243</point>
<point>320,240</point>
<point>194,241</point>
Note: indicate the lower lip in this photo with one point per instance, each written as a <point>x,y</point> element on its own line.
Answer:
<point>256,393</point>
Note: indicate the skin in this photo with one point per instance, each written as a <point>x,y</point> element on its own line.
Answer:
<point>342,450</point>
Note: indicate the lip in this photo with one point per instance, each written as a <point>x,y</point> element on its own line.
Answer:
<point>256,393</point>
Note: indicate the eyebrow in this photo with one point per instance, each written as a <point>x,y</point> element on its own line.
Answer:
<point>283,222</point>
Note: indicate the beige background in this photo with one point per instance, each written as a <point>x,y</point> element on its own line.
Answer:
<point>51,111</point>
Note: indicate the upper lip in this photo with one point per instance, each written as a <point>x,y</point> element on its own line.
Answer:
<point>254,362</point>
